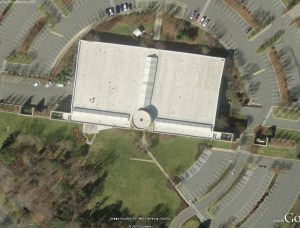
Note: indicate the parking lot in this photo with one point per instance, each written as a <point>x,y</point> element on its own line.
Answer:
<point>233,198</point>
<point>204,174</point>
<point>20,91</point>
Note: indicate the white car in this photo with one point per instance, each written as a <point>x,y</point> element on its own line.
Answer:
<point>205,23</point>
<point>60,85</point>
<point>36,84</point>
<point>48,84</point>
<point>202,19</point>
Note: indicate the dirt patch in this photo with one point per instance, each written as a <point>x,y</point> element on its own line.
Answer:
<point>9,108</point>
<point>243,11</point>
<point>125,25</point>
<point>278,68</point>
<point>34,31</point>
<point>166,138</point>
<point>282,143</point>
<point>44,113</point>
<point>78,135</point>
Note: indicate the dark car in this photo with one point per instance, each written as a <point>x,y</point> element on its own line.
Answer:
<point>118,9</point>
<point>130,6</point>
<point>248,30</point>
<point>122,7</point>
<point>126,6</point>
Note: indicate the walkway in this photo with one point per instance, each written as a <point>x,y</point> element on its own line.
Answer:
<point>158,22</point>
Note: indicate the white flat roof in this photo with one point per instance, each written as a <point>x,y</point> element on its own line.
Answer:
<point>111,78</point>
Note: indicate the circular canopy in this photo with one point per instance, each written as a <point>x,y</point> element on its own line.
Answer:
<point>141,119</point>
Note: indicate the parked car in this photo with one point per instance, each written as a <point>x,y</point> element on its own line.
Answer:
<point>118,8</point>
<point>248,29</point>
<point>192,15</point>
<point>129,6</point>
<point>110,11</point>
<point>197,16</point>
<point>202,19</point>
<point>125,6</point>
<point>60,85</point>
<point>206,22</point>
<point>48,84</point>
<point>122,7</point>
<point>36,84</point>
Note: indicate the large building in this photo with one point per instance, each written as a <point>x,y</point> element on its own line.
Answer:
<point>147,89</point>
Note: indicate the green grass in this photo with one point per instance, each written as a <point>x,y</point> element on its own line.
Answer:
<point>21,59</point>
<point>283,152</point>
<point>290,3</point>
<point>192,223</point>
<point>177,154</point>
<point>140,185</point>
<point>11,122</point>
<point>286,113</point>
<point>61,7</point>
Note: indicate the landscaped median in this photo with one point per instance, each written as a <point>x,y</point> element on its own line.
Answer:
<point>7,8</point>
<point>289,113</point>
<point>278,68</point>
<point>19,59</point>
<point>47,15</point>
<point>286,145</point>
<point>63,6</point>
<point>257,20</point>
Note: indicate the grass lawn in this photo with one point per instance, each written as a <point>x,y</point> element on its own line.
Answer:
<point>11,122</point>
<point>140,185</point>
<point>286,113</point>
<point>192,223</point>
<point>176,154</point>
<point>283,152</point>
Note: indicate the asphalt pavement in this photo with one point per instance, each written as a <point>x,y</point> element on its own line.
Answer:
<point>238,192</point>
<point>21,90</point>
